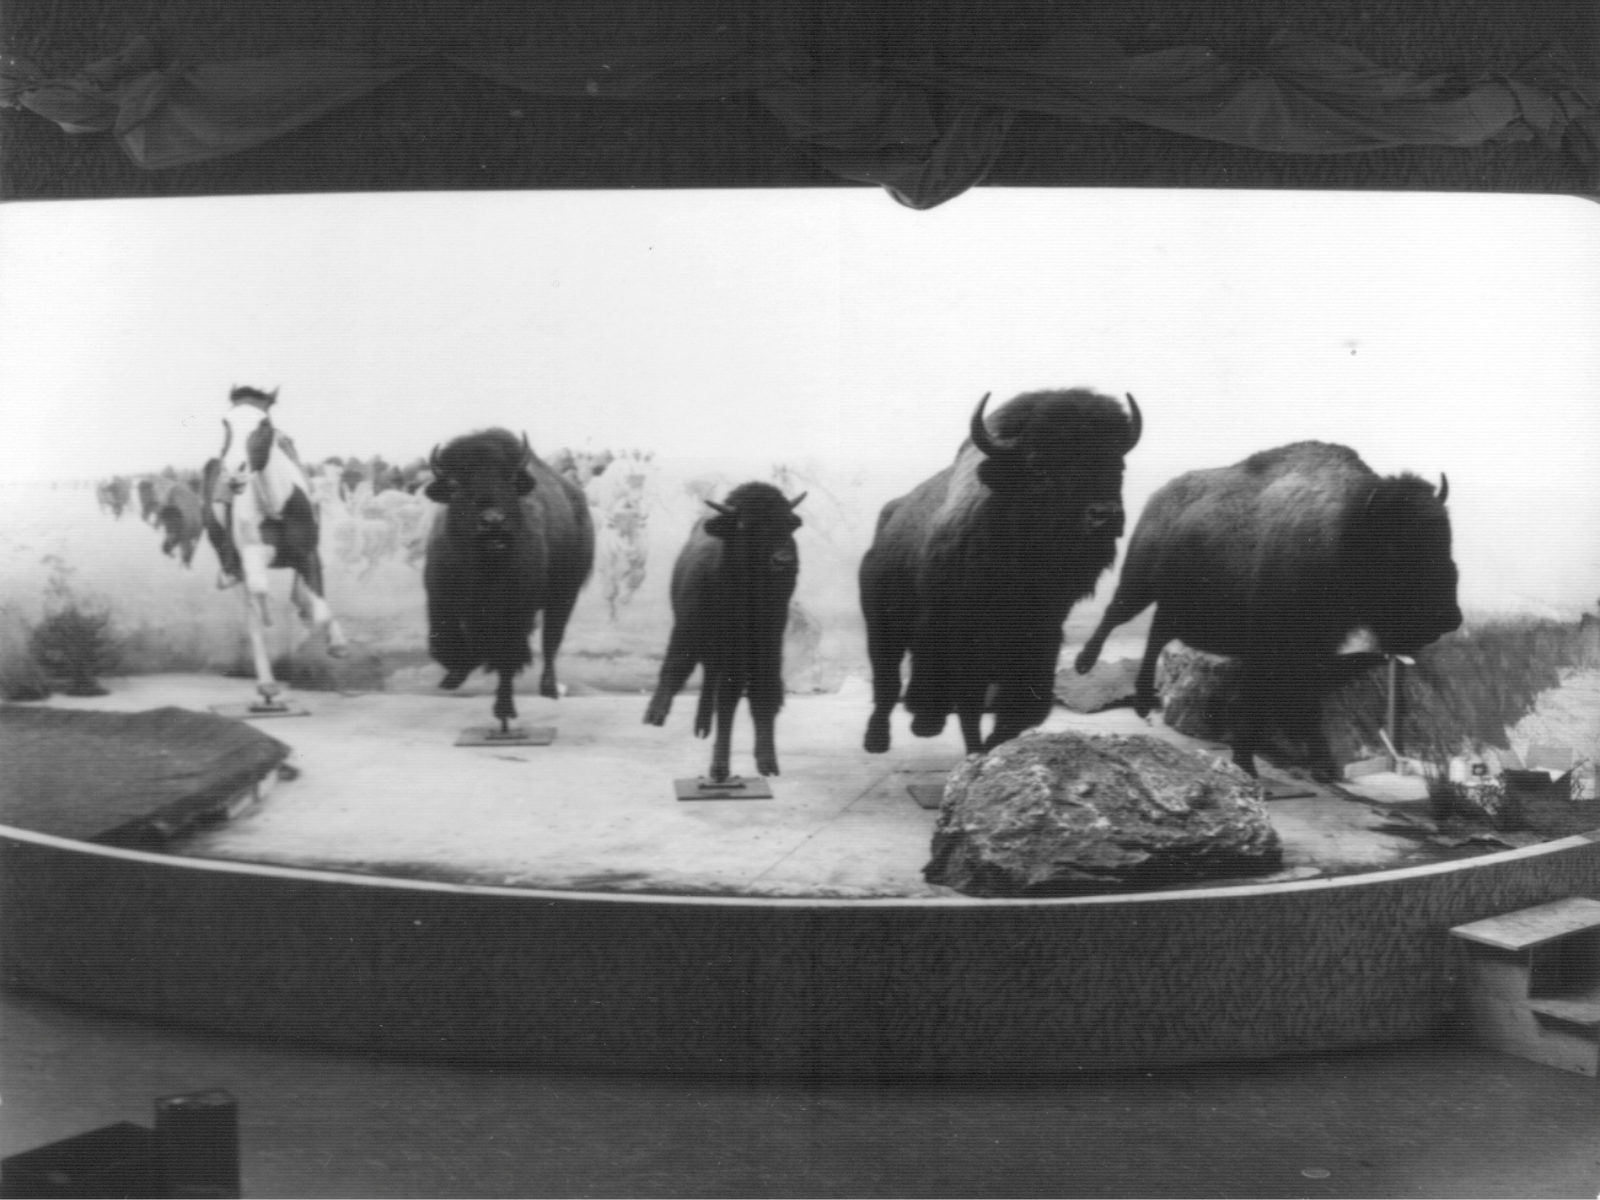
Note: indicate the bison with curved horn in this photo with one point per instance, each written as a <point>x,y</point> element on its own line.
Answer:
<point>1278,560</point>
<point>513,540</point>
<point>974,571</point>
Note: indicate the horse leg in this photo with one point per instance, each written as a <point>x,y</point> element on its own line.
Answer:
<point>258,616</point>
<point>314,609</point>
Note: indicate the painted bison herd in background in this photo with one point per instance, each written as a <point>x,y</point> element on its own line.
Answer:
<point>1276,560</point>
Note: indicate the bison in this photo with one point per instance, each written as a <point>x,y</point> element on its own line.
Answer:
<point>731,588</point>
<point>974,571</point>
<point>1278,560</point>
<point>113,495</point>
<point>513,539</point>
<point>152,491</point>
<point>182,522</point>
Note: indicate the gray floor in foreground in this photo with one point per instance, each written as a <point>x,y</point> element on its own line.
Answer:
<point>1431,1119</point>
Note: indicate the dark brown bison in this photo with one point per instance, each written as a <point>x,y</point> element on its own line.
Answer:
<point>731,588</point>
<point>1277,560</point>
<point>514,539</point>
<point>974,571</point>
<point>182,523</point>
<point>152,492</point>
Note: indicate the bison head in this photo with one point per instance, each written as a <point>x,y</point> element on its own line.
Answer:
<point>482,479</point>
<point>757,523</point>
<point>1402,538</point>
<point>1060,453</point>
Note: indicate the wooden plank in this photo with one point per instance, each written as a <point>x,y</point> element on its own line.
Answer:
<point>516,735</point>
<point>735,787</point>
<point>1530,927</point>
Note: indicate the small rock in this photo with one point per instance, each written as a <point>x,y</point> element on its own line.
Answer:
<point>1058,813</point>
<point>1109,685</point>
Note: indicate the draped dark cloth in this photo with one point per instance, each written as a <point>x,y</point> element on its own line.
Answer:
<point>924,128</point>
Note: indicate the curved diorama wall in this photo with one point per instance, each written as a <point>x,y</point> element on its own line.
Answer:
<point>771,986</point>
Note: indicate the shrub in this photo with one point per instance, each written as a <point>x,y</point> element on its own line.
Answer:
<point>21,677</point>
<point>76,640</point>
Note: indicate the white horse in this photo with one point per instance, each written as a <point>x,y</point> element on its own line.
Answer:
<point>261,500</point>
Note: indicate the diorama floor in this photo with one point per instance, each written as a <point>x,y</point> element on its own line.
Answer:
<point>382,788</point>
<point>1430,1119</point>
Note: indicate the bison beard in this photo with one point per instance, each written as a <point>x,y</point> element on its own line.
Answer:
<point>1276,560</point>
<point>974,571</point>
<point>731,588</point>
<point>513,539</point>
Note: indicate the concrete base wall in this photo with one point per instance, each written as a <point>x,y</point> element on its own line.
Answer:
<point>553,979</point>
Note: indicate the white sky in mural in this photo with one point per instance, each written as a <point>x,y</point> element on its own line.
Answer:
<point>1431,333</point>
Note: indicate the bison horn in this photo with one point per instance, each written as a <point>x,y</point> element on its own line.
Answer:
<point>980,433</point>
<point>1444,487</point>
<point>795,503</point>
<point>527,450</point>
<point>721,508</point>
<point>434,464</point>
<point>1135,421</point>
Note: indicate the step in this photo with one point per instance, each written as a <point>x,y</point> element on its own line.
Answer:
<point>1583,1012</point>
<point>1530,927</point>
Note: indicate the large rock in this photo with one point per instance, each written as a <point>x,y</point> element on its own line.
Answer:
<point>1055,813</point>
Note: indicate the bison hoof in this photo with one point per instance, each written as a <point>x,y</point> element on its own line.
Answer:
<point>877,739</point>
<point>549,690</point>
<point>453,679</point>
<point>928,724</point>
<point>1085,661</point>
<point>767,766</point>
<point>655,714</point>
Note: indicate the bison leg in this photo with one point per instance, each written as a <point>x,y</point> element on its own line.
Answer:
<point>765,701</point>
<point>1121,610</point>
<point>927,696</point>
<point>1026,700</point>
<point>1266,683</point>
<point>888,636</point>
<point>1144,683</point>
<point>450,647</point>
<point>556,615</point>
<point>969,698</point>
<point>727,705</point>
<point>679,663</point>
<point>505,707</point>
